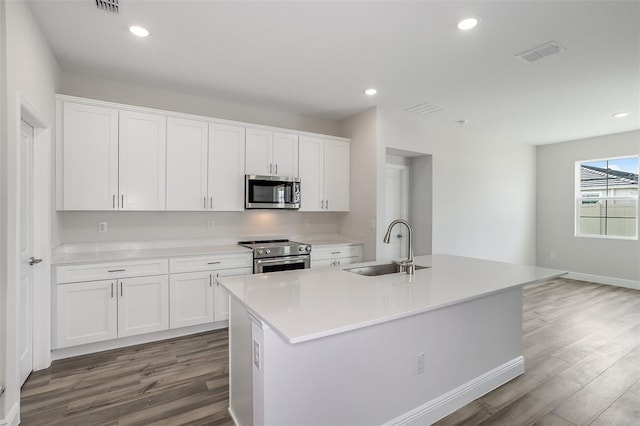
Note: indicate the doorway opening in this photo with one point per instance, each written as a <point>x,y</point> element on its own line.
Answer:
<point>408,195</point>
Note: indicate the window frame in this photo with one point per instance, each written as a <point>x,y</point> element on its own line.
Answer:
<point>579,198</point>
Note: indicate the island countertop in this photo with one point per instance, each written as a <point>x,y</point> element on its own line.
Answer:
<point>308,304</point>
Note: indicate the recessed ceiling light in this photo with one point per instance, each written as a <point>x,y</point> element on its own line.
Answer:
<point>139,31</point>
<point>370,92</point>
<point>467,24</point>
<point>620,114</point>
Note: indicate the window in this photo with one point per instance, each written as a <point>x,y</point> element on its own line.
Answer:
<point>607,198</point>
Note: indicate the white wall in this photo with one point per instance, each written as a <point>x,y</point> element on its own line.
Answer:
<point>483,189</point>
<point>611,258</point>
<point>360,222</point>
<point>31,78</point>
<point>73,227</point>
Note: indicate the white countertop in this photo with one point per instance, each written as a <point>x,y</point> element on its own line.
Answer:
<point>308,304</point>
<point>143,253</point>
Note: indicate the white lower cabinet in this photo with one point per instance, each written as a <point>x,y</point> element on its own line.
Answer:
<point>338,255</point>
<point>143,305</point>
<point>87,313</point>
<point>191,297</point>
<point>196,295</point>
<point>113,304</point>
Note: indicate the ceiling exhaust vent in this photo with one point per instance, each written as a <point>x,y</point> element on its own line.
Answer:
<point>111,6</point>
<point>540,52</point>
<point>424,108</point>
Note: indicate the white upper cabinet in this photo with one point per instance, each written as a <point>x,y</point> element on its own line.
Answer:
<point>311,174</point>
<point>89,155</point>
<point>271,153</point>
<point>142,161</point>
<point>187,166</point>
<point>324,174</point>
<point>336,176</point>
<point>120,157</point>
<point>226,167</point>
<point>285,154</point>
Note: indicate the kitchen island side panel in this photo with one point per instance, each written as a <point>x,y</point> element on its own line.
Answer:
<point>370,375</point>
<point>240,383</point>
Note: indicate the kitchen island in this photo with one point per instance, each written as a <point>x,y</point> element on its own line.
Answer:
<point>330,347</point>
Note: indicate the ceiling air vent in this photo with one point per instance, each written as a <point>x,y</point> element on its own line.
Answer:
<point>108,5</point>
<point>540,52</point>
<point>424,108</point>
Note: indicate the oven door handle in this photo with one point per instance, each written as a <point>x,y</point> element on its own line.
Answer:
<point>283,261</point>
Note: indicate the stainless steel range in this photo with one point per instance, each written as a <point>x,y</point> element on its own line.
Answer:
<point>278,255</point>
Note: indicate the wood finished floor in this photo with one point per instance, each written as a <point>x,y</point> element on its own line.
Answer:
<point>581,347</point>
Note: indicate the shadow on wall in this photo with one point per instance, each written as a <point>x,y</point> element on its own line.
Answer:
<point>408,195</point>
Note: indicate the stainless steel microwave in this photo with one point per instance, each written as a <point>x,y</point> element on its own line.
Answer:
<point>271,192</point>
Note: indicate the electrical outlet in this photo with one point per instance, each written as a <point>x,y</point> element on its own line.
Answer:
<point>102,226</point>
<point>552,256</point>
<point>419,364</point>
<point>307,223</point>
<point>210,224</point>
<point>256,354</point>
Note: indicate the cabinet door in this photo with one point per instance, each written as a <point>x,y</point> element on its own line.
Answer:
<point>191,299</point>
<point>311,163</point>
<point>86,312</point>
<point>143,305</point>
<point>226,167</point>
<point>258,160</point>
<point>285,154</point>
<point>142,161</point>
<point>187,146</point>
<point>89,157</point>
<point>221,295</point>
<point>336,176</point>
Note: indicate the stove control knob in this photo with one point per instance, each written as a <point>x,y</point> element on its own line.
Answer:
<point>303,248</point>
<point>260,251</point>
<point>267,251</point>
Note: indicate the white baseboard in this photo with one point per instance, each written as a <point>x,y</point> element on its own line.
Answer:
<point>13,417</point>
<point>90,348</point>
<point>233,417</point>
<point>437,408</point>
<point>620,282</point>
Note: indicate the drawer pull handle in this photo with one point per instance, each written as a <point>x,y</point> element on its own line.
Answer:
<point>117,270</point>
<point>213,263</point>
<point>336,252</point>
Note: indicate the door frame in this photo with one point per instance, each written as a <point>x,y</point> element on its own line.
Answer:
<point>42,187</point>
<point>404,177</point>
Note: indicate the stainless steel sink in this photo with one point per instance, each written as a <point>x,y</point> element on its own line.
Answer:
<point>375,270</point>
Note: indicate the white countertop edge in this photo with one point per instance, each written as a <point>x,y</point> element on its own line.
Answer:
<point>350,327</point>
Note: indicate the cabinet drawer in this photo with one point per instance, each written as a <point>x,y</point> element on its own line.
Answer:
<point>335,252</point>
<point>209,263</point>
<point>105,271</point>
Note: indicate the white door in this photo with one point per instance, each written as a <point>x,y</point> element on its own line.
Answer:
<point>27,265</point>
<point>397,207</point>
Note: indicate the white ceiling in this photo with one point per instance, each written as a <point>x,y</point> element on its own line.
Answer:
<point>316,58</point>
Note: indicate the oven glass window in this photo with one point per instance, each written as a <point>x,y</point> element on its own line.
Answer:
<point>286,267</point>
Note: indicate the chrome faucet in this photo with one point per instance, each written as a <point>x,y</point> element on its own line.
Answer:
<point>406,265</point>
